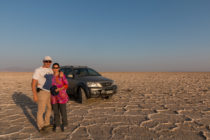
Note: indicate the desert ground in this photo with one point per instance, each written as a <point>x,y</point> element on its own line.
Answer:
<point>147,106</point>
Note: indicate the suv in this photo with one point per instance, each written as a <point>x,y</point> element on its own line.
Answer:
<point>85,83</point>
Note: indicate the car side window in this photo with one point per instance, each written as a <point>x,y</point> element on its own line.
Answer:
<point>67,71</point>
<point>76,72</point>
<point>81,72</point>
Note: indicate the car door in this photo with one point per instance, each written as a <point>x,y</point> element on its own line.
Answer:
<point>68,72</point>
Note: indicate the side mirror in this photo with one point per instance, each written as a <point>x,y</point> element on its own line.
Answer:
<point>70,76</point>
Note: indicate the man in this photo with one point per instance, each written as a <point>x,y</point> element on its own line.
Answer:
<point>41,83</point>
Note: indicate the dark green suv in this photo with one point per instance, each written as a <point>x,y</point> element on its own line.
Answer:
<point>85,83</point>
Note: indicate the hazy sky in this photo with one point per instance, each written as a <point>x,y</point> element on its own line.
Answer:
<point>107,35</point>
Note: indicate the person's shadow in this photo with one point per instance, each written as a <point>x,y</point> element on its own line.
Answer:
<point>26,103</point>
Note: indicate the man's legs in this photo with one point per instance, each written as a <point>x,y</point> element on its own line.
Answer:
<point>43,101</point>
<point>48,111</point>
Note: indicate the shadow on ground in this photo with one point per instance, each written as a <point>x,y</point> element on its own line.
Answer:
<point>26,104</point>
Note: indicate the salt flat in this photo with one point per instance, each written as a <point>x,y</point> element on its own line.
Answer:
<point>162,106</point>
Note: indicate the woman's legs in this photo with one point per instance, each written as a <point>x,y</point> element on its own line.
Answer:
<point>59,108</point>
<point>63,114</point>
<point>56,114</point>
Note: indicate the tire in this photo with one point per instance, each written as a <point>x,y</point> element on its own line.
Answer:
<point>83,97</point>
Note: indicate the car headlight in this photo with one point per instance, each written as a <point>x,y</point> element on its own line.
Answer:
<point>93,84</point>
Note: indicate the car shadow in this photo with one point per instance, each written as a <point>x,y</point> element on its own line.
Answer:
<point>27,105</point>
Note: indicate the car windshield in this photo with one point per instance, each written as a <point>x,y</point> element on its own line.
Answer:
<point>86,72</point>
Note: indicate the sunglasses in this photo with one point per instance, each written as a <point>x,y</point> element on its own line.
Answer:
<point>47,61</point>
<point>55,67</point>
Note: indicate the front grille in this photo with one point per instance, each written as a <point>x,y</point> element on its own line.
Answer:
<point>106,84</point>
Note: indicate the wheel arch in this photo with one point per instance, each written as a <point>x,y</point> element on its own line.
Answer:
<point>82,85</point>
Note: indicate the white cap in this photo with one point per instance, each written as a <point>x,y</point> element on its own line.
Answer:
<point>47,58</point>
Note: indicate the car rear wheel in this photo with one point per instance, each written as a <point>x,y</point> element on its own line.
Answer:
<point>83,97</point>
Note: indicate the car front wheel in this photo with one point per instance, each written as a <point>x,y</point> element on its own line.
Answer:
<point>83,97</point>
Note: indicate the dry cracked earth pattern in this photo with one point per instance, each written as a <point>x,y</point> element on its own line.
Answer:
<point>147,106</point>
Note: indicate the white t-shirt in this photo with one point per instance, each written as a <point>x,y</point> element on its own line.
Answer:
<point>44,77</point>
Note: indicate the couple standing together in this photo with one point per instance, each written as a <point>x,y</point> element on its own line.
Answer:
<point>43,79</point>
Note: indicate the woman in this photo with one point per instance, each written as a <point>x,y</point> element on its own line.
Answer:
<point>59,101</point>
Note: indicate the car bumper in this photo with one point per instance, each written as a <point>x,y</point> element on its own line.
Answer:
<point>103,92</point>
